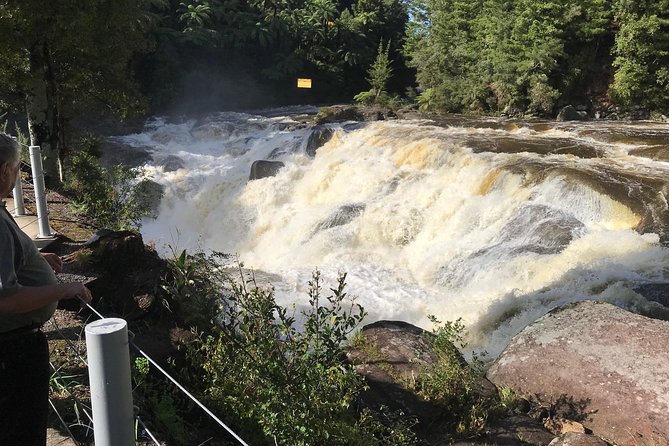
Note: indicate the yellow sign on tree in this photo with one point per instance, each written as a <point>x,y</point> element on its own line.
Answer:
<point>303,83</point>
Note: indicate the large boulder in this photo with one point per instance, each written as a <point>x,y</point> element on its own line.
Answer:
<point>263,169</point>
<point>609,366</point>
<point>338,113</point>
<point>569,113</point>
<point>393,354</point>
<point>113,153</point>
<point>319,136</point>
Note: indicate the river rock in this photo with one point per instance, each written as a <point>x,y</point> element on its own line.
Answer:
<point>338,113</point>
<point>569,113</point>
<point>578,439</point>
<point>263,169</point>
<point>393,354</point>
<point>114,153</point>
<point>610,366</point>
<point>171,163</point>
<point>319,136</point>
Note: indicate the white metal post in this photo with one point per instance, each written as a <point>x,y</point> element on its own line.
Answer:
<point>109,374</point>
<point>19,206</point>
<point>40,192</point>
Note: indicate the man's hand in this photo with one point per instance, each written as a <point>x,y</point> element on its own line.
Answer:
<point>54,261</point>
<point>76,290</point>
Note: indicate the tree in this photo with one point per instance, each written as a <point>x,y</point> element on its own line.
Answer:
<point>62,56</point>
<point>379,74</point>
<point>641,53</point>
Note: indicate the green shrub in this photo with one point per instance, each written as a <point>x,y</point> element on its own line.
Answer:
<point>277,373</point>
<point>106,196</point>
<point>455,386</point>
<point>161,404</point>
<point>287,385</point>
<point>194,288</point>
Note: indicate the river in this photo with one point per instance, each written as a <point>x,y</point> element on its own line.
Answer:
<point>489,220</point>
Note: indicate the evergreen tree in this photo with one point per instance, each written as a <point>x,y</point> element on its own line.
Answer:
<point>379,74</point>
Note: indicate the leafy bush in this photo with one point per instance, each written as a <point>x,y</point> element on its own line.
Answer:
<point>194,288</point>
<point>453,384</point>
<point>106,196</point>
<point>287,384</point>
<point>379,73</point>
<point>277,372</point>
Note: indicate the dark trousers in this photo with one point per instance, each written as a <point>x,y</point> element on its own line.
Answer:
<point>24,390</point>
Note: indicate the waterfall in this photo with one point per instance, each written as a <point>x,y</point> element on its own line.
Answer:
<point>491,221</point>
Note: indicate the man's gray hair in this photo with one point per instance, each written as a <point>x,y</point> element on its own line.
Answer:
<point>9,149</point>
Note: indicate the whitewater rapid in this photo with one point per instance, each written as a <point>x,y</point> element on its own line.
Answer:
<point>485,220</point>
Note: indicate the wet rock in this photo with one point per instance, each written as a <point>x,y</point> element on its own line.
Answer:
<point>609,367</point>
<point>213,131</point>
<point>345,214</point>
<point>263,169</point>
<point>657,292</point>
<point>338,113</point>
<point>513,430</point>
<point>512,111</point>
<point>569,113</point>
<point>171,163</point>
<point>114,153</point>
<point>319,136</point>
<point>148,194</point>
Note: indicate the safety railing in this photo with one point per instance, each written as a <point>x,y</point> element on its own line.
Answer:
<point>112,414</point>
<point>44,230</point>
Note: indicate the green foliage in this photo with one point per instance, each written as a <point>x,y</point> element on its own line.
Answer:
<point>486,55</point>
<point>193,288</point>
<point>267,44</point>
<point>106,196</point>
<point>289,384</point>
<point>379,74</point>
<point>641,53</point>
<point>454,385</point>
<point>388,427</point>
<point>277,372</point>
<point>163,406</point>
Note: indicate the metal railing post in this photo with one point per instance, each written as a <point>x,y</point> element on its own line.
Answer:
<point>19,206</point>
<point>40,192</point>
<point>109,374</point>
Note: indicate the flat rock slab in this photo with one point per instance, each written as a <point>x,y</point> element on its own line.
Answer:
<point>610,366</point>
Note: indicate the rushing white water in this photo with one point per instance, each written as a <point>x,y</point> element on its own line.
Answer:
<point>492,222</point>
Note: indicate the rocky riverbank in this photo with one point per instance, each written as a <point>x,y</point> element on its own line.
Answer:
<point>588,373</point>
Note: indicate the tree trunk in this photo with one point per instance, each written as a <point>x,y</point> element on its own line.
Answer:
<point>42,110</point>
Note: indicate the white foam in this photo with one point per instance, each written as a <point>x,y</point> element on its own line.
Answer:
<point>435,227</point>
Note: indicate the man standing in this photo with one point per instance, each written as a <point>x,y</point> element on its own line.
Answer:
<point>29,294</point>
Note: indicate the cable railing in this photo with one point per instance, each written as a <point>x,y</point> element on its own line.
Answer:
<point>40,203</point>
<point>204,408</point>
<point>157,366</point>
<point>44,231</point>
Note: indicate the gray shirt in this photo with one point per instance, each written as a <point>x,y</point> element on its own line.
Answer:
<point>21,264</point>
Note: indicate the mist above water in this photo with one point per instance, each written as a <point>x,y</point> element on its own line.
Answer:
<point>492,221</point>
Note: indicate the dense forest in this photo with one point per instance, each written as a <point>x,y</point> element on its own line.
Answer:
<point>61,59</point>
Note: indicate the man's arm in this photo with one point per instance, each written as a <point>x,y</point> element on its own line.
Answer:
<point>24,299</point>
